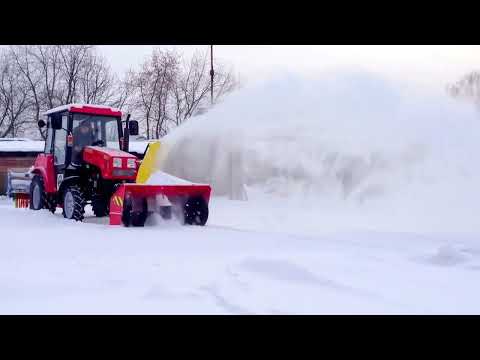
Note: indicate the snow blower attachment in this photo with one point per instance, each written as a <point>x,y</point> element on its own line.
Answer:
<point>131,204</point>
<point>87,161</point>
<point>164,194</point>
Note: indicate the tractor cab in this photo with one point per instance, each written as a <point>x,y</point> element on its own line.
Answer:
<point>85,158</point>
<point>71,128</point>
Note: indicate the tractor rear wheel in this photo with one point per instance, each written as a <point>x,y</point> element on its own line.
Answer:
<point>73,203</point>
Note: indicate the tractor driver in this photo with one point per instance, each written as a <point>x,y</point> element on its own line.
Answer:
<point>82,136</point>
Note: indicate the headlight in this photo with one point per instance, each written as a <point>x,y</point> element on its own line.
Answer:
<point>131,163</point>
<point>117,162</point>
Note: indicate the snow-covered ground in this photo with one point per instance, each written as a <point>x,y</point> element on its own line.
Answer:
<point>251,258</point>
<point>362,199</point>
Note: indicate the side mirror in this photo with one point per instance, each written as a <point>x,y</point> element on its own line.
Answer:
<point>133,127</point>
<point>41,123</point>
<point>56,121</point>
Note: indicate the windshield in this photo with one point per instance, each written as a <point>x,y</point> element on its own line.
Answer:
<point>93,130</point>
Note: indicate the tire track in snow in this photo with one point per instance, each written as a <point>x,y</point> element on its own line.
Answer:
<point>222,302</point>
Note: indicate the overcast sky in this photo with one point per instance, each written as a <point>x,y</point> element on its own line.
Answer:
<point>431,65</point>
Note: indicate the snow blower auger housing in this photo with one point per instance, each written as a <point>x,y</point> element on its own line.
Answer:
<point>131,204</point>
<point>87,161</point>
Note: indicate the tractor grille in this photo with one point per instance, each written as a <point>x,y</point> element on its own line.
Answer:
<point>124,172</point>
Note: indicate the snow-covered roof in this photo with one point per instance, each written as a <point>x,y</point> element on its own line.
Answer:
<point>68,106</point>
<point>21,145</point>
<point>14,139</point>
<point>27,145</point>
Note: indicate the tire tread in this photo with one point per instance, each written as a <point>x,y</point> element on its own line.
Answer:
<point>79,202</point>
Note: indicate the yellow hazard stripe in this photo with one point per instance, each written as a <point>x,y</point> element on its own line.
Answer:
<point>118,200</point>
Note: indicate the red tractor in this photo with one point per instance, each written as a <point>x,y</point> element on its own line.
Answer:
<point>86,161</point>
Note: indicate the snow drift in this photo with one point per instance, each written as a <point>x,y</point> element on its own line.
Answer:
<point>338,138</point>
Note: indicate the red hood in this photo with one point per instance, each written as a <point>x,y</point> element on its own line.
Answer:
<point>102,158</point>
<point>107,152</point>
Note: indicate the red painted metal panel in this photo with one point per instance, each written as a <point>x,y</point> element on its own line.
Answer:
<point>45,167</point>
<point>109,152</point>
<point>116,206</point>
<point>95,111</point>
<point>102,158</point>
<point>172,192</point>
<point>141,190</point>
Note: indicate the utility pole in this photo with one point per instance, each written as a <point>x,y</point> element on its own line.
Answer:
<point>212,73</point>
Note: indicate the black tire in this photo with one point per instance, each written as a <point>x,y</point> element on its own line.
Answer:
<point>195,211</point>
<point>51,202</point>
<point>37,193</point>
<point>100,206</point>
<point>73,203</point>
<point>134,218</point>
<point>126,213</point>
<point>46,201</point>
<point>139,218</point>
<point>166,212</point>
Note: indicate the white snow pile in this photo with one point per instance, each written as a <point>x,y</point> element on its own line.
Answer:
<point>21,145</point>
<point>69,106</point>
<point>162,178</point>
<point>341,138</point>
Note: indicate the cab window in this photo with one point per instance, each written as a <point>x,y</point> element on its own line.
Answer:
<point>60,142</point>
<point>48,140</point>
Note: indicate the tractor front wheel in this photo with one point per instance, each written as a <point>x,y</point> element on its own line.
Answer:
<point>73,203</point>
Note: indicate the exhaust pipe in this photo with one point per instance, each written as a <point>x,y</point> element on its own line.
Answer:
<point>126,135</point>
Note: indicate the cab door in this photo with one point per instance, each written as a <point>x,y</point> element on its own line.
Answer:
<point>59,148</point>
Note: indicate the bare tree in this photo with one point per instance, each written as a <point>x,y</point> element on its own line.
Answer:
<point>153,84</point>
<point>194,85</point>
<point>164,92</point>
<point>96,82</point>
<point>49,63</point>
<point>467,88</point>
<point>168,90</point>
<point>73,60</point>
<point>14,96</point>
<point>123,90</point>
<point>192,88</point>
<point>224,82</point>
<point>165,65</point>
<point>26,65</point>
<point>62,74</point>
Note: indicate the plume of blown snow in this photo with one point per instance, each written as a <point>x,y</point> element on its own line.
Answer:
<point>348,136</point>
